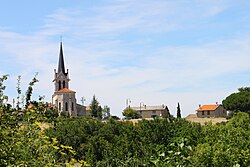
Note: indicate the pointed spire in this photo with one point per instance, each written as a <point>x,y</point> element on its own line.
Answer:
<point>61,67</point>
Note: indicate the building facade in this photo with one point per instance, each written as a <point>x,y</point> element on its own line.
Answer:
<point>152,111</point>
<point>63,98</point>
<point>211,111</point>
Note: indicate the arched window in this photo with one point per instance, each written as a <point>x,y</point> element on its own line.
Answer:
<point>60,106</point>
<point>59,85</point>
<point>66,106</point>
<point>72,106</point>
<point>63,84</point>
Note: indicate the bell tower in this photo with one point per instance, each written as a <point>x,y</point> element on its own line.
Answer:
<point>63,98</point>
<point>61,77</point>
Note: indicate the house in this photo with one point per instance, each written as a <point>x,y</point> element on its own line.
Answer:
<point>211,110</point>
<point>152,111</point>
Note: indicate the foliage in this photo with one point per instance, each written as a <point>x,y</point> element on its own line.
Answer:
<point>96,109</point>
<point>130,113</point>
<point>244,89</point>
<point>239,101</point>
<point>2,88</point>
<point>177,155</point>
<point>37,137</point>
<point>23,142</point>
<point>106,111</point>
<point>30,89</point>
<point>19,92</point>
<point>178,111</point>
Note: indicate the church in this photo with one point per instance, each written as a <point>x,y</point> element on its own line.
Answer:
<point>63,98</point>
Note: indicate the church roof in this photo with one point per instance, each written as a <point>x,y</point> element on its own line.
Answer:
<point>65,90</point>
<point>61,67</point>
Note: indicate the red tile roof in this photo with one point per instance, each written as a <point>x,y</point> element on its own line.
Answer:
<point>65,90</point>
<point>210,107</point>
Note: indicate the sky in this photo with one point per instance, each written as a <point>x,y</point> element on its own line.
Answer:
<point>152,52</point>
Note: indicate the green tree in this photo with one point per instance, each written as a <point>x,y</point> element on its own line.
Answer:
<point>19,92</point>
<point>30,90</point>
<point>239,101</point>
<point>2,88</point>
<point>178,110</point>
<point>106,111</point>
<point>96,109</point>
<point>130,113</point>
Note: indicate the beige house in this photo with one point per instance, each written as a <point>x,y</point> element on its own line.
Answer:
<point>211,110</point>
<point>152,111</point>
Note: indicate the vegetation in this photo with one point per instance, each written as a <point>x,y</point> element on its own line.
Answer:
<point>96,109</point>
<point>89,141</point>
<point>106,112</point>
<point>239,101</point>
<point>130,113</point>
<point>178,111</point>
<point>23,141</point>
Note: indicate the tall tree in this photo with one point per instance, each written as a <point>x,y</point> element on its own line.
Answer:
<point>30,90</point>
<point>19,92</point>
<point>178,110</point>
<point>2,88</point>
<point>96,109</point>
<point>239,101</point>
<point>106,111</point>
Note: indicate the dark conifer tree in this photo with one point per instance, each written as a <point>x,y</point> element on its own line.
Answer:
<point>96,109</point>
<point>178,111</point>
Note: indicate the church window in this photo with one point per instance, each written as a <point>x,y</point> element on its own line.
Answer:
<point>59,106</point>
<point>59,84</point>
<point>63,84</point>
<point>66,106</point>
<point>72,106</point>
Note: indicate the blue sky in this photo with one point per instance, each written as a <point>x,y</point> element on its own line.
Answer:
<point>155,52</point>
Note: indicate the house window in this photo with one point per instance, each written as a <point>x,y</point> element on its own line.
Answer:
<point>66,106</point>
<point>60,106</point>
<point>72,106</point>
<point>208,112</point>
<point>202,112</point>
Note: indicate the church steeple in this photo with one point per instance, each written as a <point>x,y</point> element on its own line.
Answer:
<point>61,67</point>
<point>61,77</point>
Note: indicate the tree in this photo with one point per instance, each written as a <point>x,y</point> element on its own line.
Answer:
<point>244,89</point>
<point>106,111</point>
<point>130,113</point>
<point>96,109</point>
<point>2,88</point>
<point>239,101</point>
<point>30,90</point>
<point>19,92</point>
<point>178,111</point>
